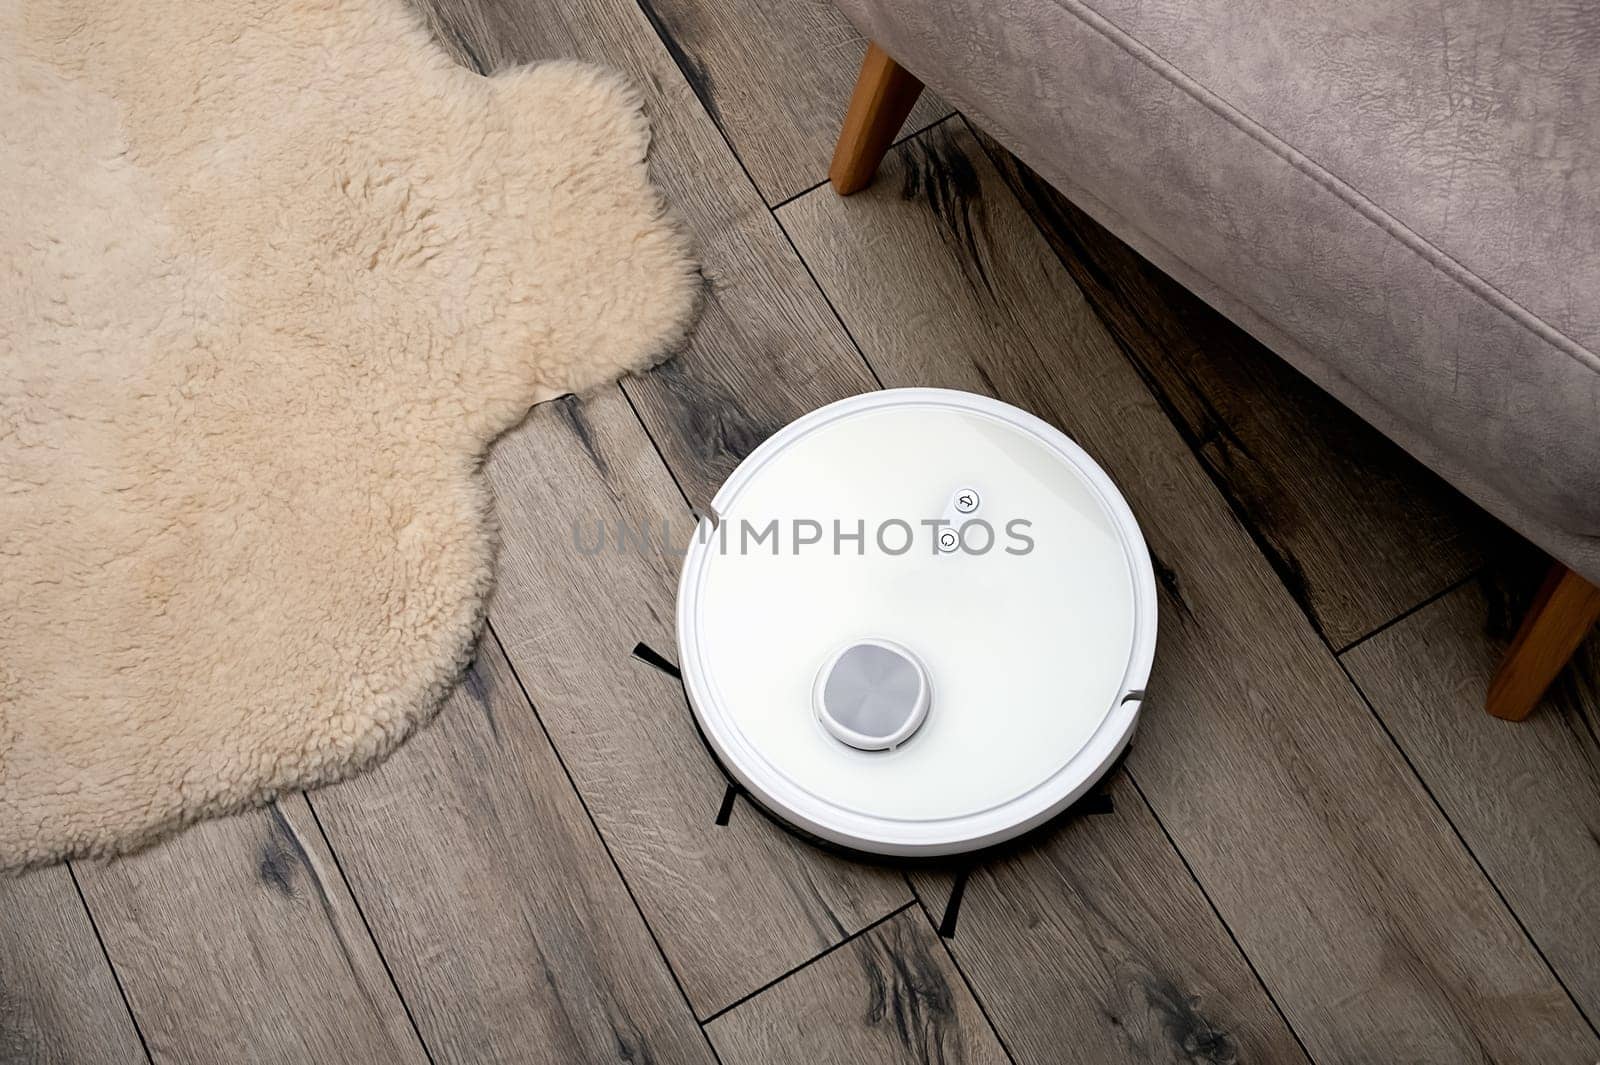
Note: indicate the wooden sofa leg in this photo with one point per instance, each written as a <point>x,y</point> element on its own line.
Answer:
<point>885,93</point>
<point>1562,614</point>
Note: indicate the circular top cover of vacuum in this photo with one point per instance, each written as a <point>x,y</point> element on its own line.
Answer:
<point>920,622</point>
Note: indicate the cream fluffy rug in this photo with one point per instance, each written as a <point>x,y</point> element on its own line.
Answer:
<point>273,274</point>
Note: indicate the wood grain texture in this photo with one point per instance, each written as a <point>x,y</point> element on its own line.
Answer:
<point>891,995</point>
<point>1093,945</point>
<point>1358,531</point>
<point>767,348</point>
<point>734,906</point>
<point>1371,925</point>
<point>503,920</point>
<point>1525,796</point>
<point>59,1003</point>
<point>237,941</point>
<point>775,77</point>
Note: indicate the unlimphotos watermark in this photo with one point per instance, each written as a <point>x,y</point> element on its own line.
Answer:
<point>893,537</point>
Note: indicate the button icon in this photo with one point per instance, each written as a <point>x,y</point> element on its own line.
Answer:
<point>966,500</point>
<point>948,540</point>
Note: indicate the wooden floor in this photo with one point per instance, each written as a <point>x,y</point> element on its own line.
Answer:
<point>1320,847</point>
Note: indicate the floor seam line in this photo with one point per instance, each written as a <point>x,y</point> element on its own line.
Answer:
<point>1410,611</point>
<point>916,896</point>
<point>367,925</point>
<point>1266,989</point>
<point>775,981</point>
<point>899,140</point>
<point>733,151</point>
<point>105,952</point>
<point>1466,847</point>
<point>605,844</point>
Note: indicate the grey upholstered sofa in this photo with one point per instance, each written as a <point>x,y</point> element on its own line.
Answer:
<point>1401,199</point>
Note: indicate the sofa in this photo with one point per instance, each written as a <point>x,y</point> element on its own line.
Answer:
<point>1402,200</point>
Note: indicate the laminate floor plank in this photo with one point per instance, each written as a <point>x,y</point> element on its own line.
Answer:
<point>1370,923</point>
<point>767,347</point>
<point>1092,945</point>
<point>237,941</point>
<point>1358,531</point>
<point>1525,795</point>
<point>890,995</point>
<point>733,907</point>
<point>59,1003</point>
<point>776,78</point>
<point>503,920</point>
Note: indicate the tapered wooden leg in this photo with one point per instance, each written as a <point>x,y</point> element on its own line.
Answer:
<point>1562,614</point>
<point>885,93</point>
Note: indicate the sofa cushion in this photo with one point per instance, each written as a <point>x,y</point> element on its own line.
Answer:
<point>1474,127</point>
<point>1402,200</point>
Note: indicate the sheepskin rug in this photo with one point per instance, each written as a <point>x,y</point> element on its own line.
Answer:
<point>273,274</point>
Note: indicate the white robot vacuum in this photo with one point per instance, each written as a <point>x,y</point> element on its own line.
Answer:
<point>917,622</point>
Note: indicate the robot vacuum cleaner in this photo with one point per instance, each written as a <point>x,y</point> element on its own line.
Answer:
<point>917,622</point>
